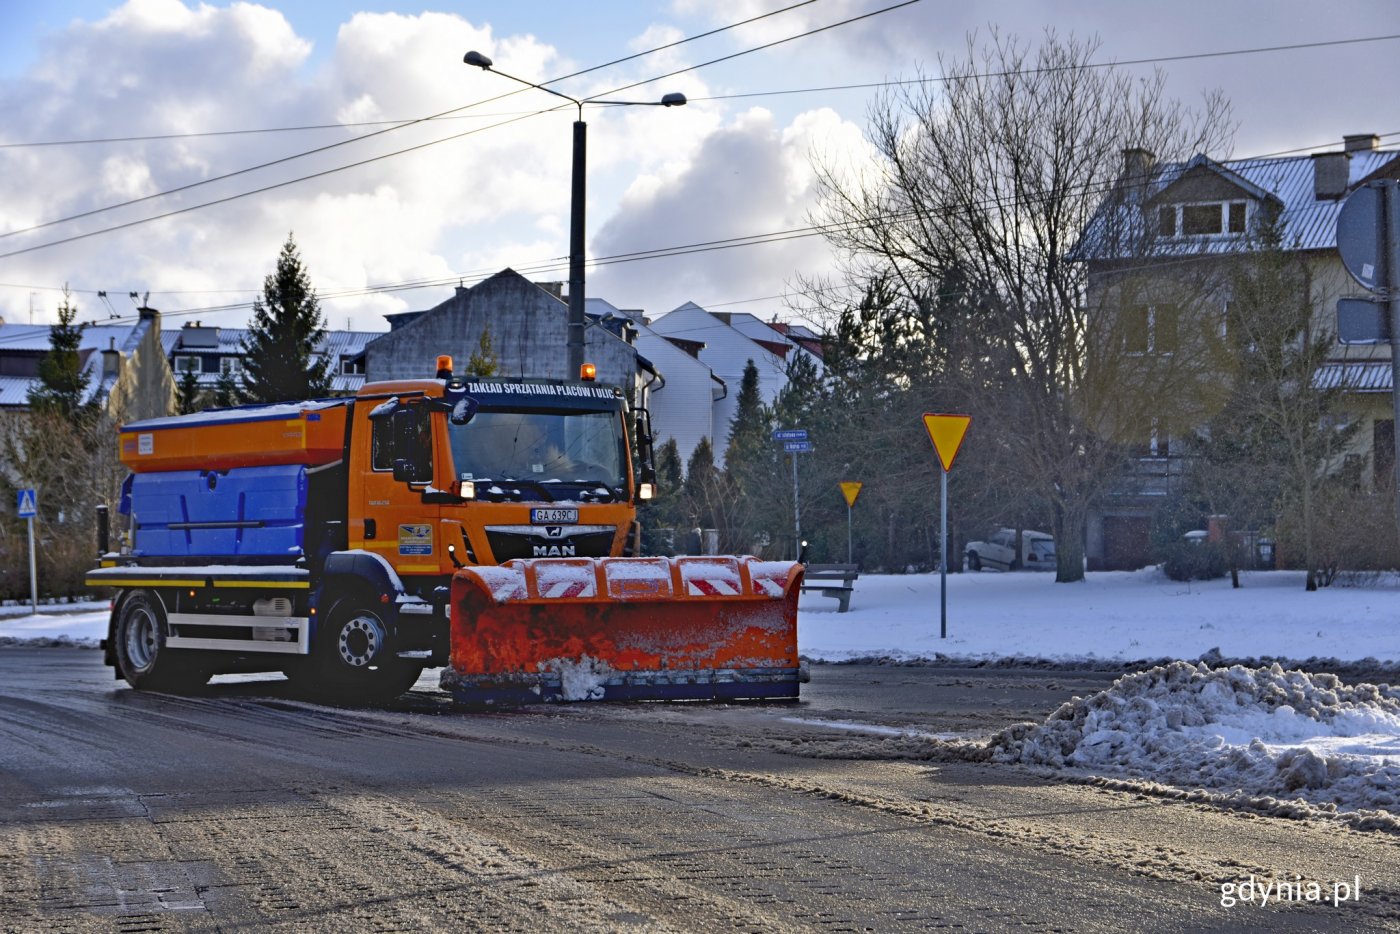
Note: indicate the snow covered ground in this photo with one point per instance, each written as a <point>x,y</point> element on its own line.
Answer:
<point>1255,730</point>
<point>1111,616</point>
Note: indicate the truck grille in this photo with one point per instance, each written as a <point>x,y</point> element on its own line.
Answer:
<point>545,541</point>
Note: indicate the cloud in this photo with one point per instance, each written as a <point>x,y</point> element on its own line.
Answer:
<point>748,177</point>
<point>169,68</point>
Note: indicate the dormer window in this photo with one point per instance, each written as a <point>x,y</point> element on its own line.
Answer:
<point>1209,219</point>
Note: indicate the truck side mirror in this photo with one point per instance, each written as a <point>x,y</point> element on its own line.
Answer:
<point>647,467</point>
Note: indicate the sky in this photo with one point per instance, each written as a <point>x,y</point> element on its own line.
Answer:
<point>278,118</point>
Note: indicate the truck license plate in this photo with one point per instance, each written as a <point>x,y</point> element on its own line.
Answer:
<point>553,516</point>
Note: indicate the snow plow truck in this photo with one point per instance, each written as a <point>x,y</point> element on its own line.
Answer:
<point>484,526</point>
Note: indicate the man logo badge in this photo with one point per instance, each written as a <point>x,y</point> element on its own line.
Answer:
<point>553,551</point>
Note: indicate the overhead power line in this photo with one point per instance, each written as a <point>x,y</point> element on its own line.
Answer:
<point>526,115</point>
<point>359,139</point>
<point>557,265</point>
<point>741,95</point>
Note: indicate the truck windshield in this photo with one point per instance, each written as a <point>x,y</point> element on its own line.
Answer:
<point>567,447</point>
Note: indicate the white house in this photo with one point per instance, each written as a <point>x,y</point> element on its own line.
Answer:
<point>683,392</point>
<point>726,350</point>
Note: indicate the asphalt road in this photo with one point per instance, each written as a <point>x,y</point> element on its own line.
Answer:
<point>247,808</point>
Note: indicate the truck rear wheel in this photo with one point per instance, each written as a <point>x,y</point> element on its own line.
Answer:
<point>142,656</point>
<point>356,660</point>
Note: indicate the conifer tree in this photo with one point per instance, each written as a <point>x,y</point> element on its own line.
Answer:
<point>749,460</point>
<point>483,362</point>
<point>62,380</point>
<point>226,392</point>
<point>187,392</point>
<point>279,351</point>
<point>663,518</point>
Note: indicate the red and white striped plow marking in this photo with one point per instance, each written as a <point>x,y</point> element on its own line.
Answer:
<point>634,579</point>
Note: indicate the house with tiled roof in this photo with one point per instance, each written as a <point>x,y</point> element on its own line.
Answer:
<point>126,370</point>
<point>1176,216</point>
<point>212,351</point>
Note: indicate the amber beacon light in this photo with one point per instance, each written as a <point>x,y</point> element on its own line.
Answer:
<point>588,372</point>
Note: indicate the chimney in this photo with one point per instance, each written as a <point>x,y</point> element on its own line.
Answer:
<point>1331,173</point>
<point>148,314</point>
<point>197,335</point>
<point>1138,166</point>
<point>111,359</point>
<point>1361,142</point>
<point>553,288</point>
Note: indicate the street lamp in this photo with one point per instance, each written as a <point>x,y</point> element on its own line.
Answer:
<point>577,321</point>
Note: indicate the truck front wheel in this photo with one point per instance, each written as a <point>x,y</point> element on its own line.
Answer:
<point>142,656</point>
<point>356,660</point>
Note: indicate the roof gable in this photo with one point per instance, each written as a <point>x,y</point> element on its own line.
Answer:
<point>1203,178</point>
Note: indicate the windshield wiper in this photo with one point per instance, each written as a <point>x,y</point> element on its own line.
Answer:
<point>532,484</point>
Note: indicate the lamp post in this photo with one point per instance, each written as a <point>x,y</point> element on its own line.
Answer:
<point>577,321</point>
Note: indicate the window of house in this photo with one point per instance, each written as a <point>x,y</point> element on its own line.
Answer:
<point>1164,319</point>
<point>232,366</point>
<point>1235,212</point>
<point>1383,452</point>
<point>1198,219</point>
<point>1150,329</point>
<point>1202,220</point>
<point>1152,442</point>
<point>1166,221</point>
<point>186,363</point>
<point>1137,329</point>
<point>352,366</point>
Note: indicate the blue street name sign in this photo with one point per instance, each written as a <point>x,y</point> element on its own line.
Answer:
<point>800,447</point>
<point>27,501</point>
<point>790,434</point>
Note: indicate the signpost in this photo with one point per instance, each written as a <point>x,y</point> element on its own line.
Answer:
<point>946,432</point>
<point>794,443</point>
<point>1368,239</point>
<point>850,489</point>
<point>27,505</point>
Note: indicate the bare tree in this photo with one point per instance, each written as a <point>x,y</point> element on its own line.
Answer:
<point>1286,416</point>
<point>994,173</point>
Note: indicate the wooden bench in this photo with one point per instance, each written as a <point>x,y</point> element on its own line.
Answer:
<point>832,580</point>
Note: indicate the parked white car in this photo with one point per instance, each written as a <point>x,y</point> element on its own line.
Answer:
<point>999,552</point>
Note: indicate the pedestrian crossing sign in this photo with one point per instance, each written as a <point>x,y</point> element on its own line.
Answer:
<point>28,503</point>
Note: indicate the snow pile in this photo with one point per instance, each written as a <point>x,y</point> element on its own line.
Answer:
<point>1256,731</point>
<point>582,680</point>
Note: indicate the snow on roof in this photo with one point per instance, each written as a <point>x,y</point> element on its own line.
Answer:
<point>34,340</point>
<point>1373,376</point>
<point>1310,223</point>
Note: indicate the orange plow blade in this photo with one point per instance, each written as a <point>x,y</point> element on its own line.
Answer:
<point>625,629</point>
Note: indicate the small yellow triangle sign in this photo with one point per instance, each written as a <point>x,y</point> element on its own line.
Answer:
<point>850,489</point>
<point>946,432</point>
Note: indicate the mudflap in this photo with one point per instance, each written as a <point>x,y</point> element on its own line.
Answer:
<point>573,629</point>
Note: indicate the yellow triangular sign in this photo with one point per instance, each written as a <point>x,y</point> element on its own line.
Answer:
<point>946,432</point>
<point>850,489</point>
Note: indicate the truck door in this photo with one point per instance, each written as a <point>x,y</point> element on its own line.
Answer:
<point>395,522</point>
